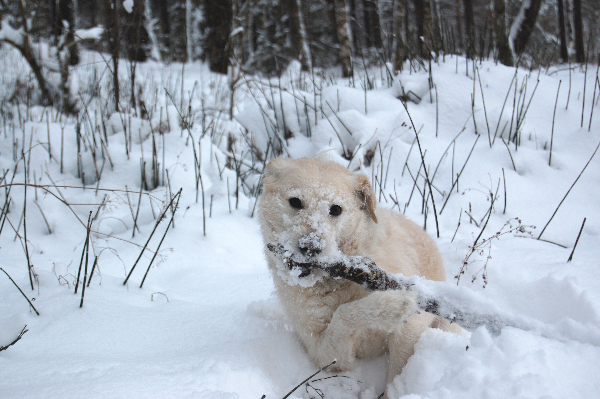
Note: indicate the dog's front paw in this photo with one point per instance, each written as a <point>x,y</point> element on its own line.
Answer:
<point>395,307</point>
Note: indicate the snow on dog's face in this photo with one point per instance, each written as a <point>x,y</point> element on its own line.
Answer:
<point>315,207</point>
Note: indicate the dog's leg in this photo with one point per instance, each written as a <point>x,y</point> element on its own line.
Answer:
<point>401,342</point>
<point>378,311</point>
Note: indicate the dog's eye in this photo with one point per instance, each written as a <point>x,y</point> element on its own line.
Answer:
<point>335,210</point>
<point>296,203</point>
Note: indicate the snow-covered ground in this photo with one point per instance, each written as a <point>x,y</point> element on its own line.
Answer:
<point>205,324</point>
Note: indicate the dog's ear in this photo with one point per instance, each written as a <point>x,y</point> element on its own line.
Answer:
<point>365,193</point>
<point>274,170</point>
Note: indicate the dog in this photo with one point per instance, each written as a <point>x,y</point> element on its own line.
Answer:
<point>318,208</point>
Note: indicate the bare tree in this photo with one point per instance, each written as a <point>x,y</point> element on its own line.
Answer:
<point>469,28</point>
<point>21,40</point>
<point>298,34</point>
<point>399,39</point>
<point>578,23</point>
<point>111,10</point>
<point>343,37</point>
<point>218,15</point>
<point>564,53</point>
<point>505,52</point>
<point>524,24</point>
<point>371,23</point>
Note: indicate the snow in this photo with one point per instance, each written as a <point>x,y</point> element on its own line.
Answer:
<point>94,33</point>
<point>128,6</point>
<point>206,323</point>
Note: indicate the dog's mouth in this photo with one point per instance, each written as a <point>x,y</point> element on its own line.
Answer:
<point>293,260</point>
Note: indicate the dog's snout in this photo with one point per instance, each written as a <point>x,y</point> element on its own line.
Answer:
<point>311,244</point>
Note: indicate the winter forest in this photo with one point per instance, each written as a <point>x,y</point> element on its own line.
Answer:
<point>133,139</point>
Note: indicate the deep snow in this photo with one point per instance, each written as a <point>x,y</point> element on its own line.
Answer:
<point>206,325</point>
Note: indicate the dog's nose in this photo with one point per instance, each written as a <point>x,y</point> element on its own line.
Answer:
<point>311,244</point>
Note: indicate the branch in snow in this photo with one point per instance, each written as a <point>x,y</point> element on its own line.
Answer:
<point>23,331</point>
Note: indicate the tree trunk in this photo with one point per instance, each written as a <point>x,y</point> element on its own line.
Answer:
<point>218,16</point>
<point>372,25</point>
<point>298,34</point>
<point>505,52</point>
<point>65,13</point>
<point>578,22</point>
<point>399,40</point>
<point>564,52</point>
<point>436,28</point>
<point>524,24</point>
<point>469,28</point>
<point>459,34</point>
<point>112,35</point>
<point>343,37</point>
<point>424,27</point>
<point>354,28</point>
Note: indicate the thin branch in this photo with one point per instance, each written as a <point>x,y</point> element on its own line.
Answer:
<point>23,331</point>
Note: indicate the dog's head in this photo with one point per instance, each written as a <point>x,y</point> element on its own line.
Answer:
<point>315,206</point>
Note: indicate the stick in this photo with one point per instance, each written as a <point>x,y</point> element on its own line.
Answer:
<point>162,239</point>
<point>553,117</point>
<point>438,298</point>
<point>306,380</point>
<point>23,331</point>
<point>160,218</point>
<point>573,185</point>
<point>576,241</point>
<point>85,247</point>
<point>21,291</point>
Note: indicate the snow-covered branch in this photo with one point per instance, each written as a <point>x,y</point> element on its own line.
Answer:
<point>464,307</point>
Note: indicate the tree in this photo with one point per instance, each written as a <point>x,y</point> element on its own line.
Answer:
<point>399,40</point>
<point>470,28</point>
<point>111,15</point>
<point>372,25</point>
<point>345,52</point>
<point>564,53</point>
<point>505,52</point>
<point>578,22</point>
<point>20,39</point>
<point>218,15</point>
<point>298,34</point>
<point>524,24</point>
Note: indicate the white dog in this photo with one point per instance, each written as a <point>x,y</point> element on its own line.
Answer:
<point>317,207</point>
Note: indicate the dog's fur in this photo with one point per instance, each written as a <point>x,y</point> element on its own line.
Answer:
<point>337,319</point>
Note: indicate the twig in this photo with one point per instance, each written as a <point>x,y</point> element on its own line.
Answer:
<point>23,331</point>
<point>160,218</point>
<point>565,197</point>
<point>85,247</point>
<point>308,379</point>
<point>459,174</point>
<point>576,241</point>
<point>553,117</point>
<point>162,239</point>
<point>21,291</point>
<point>437,227</point>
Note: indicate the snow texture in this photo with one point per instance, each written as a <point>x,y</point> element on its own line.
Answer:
<point>206,323</point>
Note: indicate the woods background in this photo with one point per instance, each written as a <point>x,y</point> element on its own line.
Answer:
<point>265,35</point>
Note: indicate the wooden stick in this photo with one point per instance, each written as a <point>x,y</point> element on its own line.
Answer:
<point>452,304</point>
